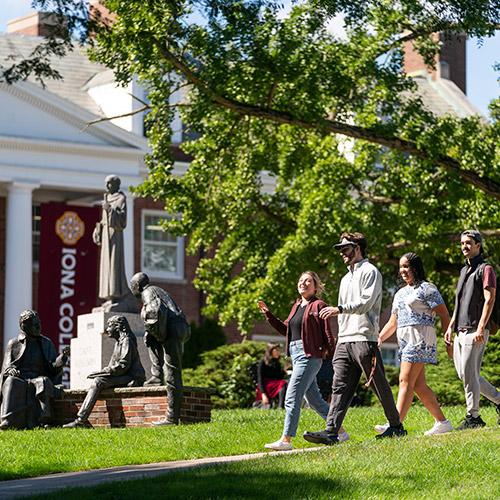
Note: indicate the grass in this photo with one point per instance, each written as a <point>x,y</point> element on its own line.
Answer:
<point>458,465</point>
<point>235,432</point>
<point>462,464</point>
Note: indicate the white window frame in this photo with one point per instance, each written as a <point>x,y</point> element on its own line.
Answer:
<point>164,275</point>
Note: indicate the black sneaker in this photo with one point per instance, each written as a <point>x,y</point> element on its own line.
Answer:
<point>471,423</point>
<point>390,432</point>
<point>321,437</point>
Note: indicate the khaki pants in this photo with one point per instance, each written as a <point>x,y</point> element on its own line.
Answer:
<point>468,356</point>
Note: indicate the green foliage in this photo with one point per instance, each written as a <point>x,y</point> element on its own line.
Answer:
<point>274,94</point>
<point>225,369</point>
<point>204,337</point>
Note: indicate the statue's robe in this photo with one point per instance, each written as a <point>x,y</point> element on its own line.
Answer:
<point>112,278</point>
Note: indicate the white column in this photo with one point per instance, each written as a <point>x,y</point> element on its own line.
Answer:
<point>18,257</point>
<point>128,236</point>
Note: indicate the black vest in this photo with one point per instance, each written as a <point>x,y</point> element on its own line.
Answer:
<point>469,298</point>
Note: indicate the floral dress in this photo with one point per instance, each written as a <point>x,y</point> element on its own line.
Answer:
<point>413,306</point>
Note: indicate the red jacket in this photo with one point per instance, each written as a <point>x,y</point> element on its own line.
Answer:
<point>316,333</point>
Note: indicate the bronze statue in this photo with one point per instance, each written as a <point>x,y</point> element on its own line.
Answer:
<point>108,234</point>
<point>124,368</point>
<point>166,331</point>
<point>30,370</point>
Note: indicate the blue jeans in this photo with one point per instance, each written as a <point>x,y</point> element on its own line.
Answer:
<point>302,384</point>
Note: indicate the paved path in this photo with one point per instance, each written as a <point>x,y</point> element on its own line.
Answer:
<point>45,484</point>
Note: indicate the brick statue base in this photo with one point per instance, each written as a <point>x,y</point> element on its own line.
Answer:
<point>134,406</point>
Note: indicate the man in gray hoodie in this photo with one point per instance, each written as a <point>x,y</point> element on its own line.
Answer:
<point>358,313</point>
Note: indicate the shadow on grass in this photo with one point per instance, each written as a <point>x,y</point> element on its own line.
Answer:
<point>217,482</point>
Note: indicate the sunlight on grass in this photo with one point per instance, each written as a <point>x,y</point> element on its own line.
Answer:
<point>33,453</point>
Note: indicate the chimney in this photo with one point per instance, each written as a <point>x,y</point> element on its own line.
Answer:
<point>450,62</point>
<point>36,24</point>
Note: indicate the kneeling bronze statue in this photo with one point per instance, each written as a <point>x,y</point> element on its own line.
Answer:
<point>30,370</point>
<point>124,368</point>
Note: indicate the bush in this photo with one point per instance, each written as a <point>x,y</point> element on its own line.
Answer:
<point>204,337</point>
<point>225,369</point>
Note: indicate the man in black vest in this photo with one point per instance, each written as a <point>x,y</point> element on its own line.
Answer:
<point>474,302</point>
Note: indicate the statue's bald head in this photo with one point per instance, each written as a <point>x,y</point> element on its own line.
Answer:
<point>138,282</point>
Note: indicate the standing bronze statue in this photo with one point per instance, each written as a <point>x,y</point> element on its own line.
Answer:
<point>30,370</point>
<point>124,368</point>
<point>108,234</point>
<point>166,331</point>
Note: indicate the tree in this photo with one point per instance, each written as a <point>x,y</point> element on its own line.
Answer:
<point>271,89</point>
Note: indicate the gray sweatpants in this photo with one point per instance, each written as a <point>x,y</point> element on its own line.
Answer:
<point>351,359</point>
<point>468,356</point>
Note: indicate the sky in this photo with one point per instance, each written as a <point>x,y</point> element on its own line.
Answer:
<point>482,80</point>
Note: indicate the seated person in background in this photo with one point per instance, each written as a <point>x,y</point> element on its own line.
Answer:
<point>30,370</point>
<point>124,368</point>
<point>271,381</point>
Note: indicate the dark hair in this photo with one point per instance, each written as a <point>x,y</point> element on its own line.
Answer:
<point>416,267</point>
<point>358,238</point>
<point>268,355</point>
<point>475,235</point>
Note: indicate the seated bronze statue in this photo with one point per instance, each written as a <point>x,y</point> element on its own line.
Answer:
<point>30,370</point>
<point>124,368</point>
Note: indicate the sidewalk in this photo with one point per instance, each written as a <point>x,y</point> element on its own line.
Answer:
<point>18,488</point>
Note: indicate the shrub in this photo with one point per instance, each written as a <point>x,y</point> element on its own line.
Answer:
<point>204,337</point>
<point>225,369</point>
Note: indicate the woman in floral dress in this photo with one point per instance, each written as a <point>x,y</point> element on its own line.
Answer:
<point>414,310</point>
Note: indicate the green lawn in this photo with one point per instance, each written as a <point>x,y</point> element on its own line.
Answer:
<point>33,453</point>
<point>459,465</point>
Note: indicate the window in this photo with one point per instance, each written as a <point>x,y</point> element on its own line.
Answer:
<point>35,229</point>
<point>162,253</point>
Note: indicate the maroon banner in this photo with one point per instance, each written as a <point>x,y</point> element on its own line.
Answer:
<point>67,278</point>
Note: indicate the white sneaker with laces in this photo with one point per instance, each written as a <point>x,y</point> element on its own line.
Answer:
<point>380,429</point>
<point>279,446</point>
<point>343,437</point>
<point>439,428</point>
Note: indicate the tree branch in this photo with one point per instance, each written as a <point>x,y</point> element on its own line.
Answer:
<point>109,118</point>
<point>489,186</point>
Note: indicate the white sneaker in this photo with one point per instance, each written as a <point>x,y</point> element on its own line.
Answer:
<point>279,446</point>
<point>440,428</point>
<point>380,429</point>
<point>343,437</point>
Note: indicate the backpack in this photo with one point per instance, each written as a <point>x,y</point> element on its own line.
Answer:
<point>494,320</point>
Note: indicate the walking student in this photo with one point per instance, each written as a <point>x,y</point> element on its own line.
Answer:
<point>309,339</point>
<point>357,351</point>
<point>414,311</point>
<point>474,302</point>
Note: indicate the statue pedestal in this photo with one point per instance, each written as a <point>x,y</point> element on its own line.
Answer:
<point>91,350</point>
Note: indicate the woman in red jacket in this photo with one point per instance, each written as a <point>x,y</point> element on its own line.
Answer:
<point>309,339</point>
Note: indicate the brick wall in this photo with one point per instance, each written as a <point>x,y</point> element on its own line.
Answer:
<point>134,407</point>
<point>453,52</point>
